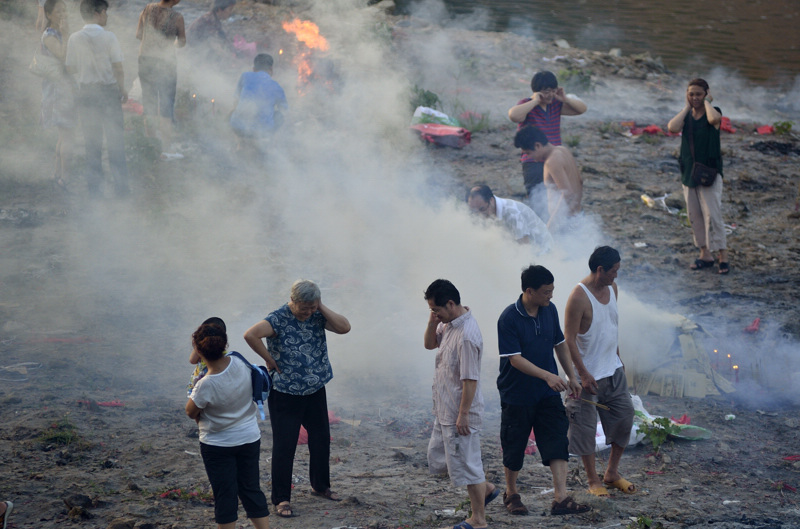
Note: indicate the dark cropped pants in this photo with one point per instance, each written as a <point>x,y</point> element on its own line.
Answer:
<point>286,414</point>
<point>233,473</point>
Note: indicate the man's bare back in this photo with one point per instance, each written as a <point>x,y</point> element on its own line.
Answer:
<point>563,181</point>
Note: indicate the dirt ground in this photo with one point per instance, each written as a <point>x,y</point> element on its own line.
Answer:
<point>84,445</point>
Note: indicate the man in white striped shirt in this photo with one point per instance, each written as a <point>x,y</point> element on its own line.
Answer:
<point>455,445</point>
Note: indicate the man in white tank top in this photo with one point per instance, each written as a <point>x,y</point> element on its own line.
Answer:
<point>591,330</point>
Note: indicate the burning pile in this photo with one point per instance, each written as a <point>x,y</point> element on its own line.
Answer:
<point>307,33</point>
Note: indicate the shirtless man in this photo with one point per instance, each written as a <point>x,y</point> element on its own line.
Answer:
<point>562,178</point>
<point>591,329</point>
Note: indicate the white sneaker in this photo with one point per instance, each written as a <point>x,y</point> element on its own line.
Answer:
<point>4,518</point>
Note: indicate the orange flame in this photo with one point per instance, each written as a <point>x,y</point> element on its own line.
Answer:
<point>308,33</point>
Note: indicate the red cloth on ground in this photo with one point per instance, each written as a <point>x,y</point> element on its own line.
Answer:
<point>650,129</point>
<point>132,106</point>
<point>531,448</point>
<point>683,420</point>
<point>445,135</point>
<point>302,439</point>
<point>726,125</point>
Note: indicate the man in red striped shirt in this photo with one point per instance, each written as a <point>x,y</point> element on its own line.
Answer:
<point>543,110</point>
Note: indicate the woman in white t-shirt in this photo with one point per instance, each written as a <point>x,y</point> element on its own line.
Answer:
<point>230,440</point>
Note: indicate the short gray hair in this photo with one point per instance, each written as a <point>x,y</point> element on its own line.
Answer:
<point>305,291</point>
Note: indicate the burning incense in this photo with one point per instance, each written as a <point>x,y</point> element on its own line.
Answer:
<point>593,403</point>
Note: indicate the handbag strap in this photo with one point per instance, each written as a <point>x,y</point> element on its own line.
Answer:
<point>690,135</point>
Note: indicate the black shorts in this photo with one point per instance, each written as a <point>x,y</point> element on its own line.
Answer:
<point>549,421</point>
<point>532,174</point>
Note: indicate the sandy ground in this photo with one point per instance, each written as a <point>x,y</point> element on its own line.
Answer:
<point>84,445</point>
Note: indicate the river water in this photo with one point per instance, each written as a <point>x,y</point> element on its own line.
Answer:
<point>758,39</point>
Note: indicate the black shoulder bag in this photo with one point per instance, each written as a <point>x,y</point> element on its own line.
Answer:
<point>702,175</point>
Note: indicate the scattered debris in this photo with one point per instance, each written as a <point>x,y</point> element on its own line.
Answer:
<point>753,327</point>
<point>109,404</point>
<point>775,147</point>
<point>444,135</point>
<point>686,370</point>
<point>18,372</point>
<point>20,217</point>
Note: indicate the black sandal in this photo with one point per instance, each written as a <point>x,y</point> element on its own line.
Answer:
<point>568,506</point>
<point>514,504</point>
<point>724,268</point>
<point>699,264</point>
<point>284,510</point>
<point>328,494</point>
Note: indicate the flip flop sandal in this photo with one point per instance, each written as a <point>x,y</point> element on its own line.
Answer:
<point>724,268</point>
<point>491,496</point>
<point>621,484</point>
<point>599,491</point>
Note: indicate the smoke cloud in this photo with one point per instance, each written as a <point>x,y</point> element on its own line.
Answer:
<point>344,197</point>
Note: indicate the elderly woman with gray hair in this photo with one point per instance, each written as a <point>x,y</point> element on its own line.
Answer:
<point>296,353</point>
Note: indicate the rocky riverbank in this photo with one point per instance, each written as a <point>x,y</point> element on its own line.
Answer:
<point>93,430</point>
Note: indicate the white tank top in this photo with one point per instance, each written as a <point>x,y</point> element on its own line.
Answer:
<point>598,346</point>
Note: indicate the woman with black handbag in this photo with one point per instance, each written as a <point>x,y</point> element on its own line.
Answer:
<point>701,173</point>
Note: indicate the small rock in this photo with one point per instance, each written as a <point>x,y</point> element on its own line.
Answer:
<point>77,500</point>
<point>122,523</point>
<point>615,52</point>
<point>561,43</point>
<point>78,513</point>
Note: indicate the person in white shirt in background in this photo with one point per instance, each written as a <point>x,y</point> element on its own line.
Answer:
<point>94,58</point>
